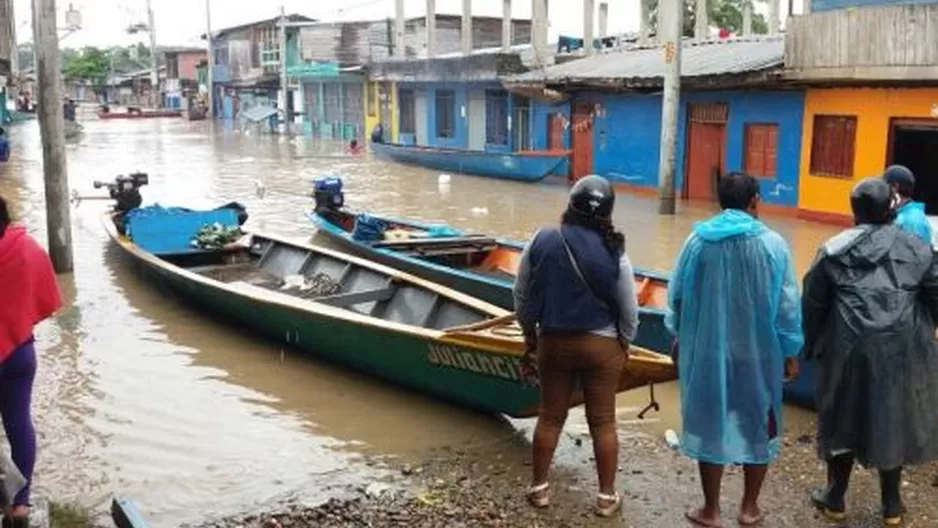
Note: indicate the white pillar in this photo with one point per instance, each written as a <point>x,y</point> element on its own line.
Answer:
<point>506,25</point>
<point>466,32</point>
<point>747,18</point>
<point>589,13</point>
<point>399,46</point>
<point>805,7</point>
<point>702,21</point>
<point>774,16</point>
<point>539,30</point>
<point>431,27</point>
<point>603,19</point>
<point>643,23</point>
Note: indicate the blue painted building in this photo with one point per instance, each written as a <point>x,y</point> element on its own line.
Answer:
<point>734,116</point>
<point>458,102</point>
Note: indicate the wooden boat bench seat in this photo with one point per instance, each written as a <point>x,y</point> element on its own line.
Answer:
<point>464,241</point>
<point>344,300</point>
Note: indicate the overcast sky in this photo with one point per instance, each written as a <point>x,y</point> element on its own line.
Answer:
<point>104,22</point>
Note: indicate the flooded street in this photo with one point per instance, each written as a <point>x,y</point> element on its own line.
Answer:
<point>138,394</point>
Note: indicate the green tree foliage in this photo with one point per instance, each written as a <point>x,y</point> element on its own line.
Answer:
<point>725,14</point>
<point>92,65</point>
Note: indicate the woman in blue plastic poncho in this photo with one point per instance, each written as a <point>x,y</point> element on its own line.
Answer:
<point>735,310</point>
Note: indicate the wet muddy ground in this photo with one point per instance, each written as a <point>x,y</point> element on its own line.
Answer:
<point>476,486</point>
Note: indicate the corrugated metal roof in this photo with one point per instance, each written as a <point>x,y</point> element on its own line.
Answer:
<point>698,59</point>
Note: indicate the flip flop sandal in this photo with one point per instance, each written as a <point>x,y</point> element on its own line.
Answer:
<point>754,521</point>
<point>608,511</point>
<point>537,497</point>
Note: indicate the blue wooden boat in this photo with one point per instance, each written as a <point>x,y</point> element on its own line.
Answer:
<point>520,166</point>
<point>481,266</point>
<point>485,267</point>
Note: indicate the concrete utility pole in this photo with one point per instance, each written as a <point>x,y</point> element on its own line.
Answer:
<point>52,132</point>
<point>747,18</point>
<point>466,32</point>
<point>603,20</point>
<point>506,25</point>
<point>154,63</point>
<point>669,31</point>
<point>210,78</point>
<point>399,44</point>
<point>701,21</point>
<point>284,80</point>
<point>431,28</point>
<point>589,13</point>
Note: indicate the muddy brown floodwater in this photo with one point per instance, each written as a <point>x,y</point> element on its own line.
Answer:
<point>139,395</point>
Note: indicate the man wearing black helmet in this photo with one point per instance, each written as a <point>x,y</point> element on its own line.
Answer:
<point>575,299</point>
<point>734,307</point>
<point>869,305</point>
<point>910,215</point>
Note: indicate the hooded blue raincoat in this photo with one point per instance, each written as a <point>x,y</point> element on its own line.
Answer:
<point>735,309</point>
<point>911,218</point>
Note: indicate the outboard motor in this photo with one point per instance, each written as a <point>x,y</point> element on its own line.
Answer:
<point>327,193</point>
<point>125,190</point>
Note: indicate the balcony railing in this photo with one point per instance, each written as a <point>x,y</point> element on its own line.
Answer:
<point>890,42</point>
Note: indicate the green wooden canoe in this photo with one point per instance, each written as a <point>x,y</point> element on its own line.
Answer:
<point>370,318</point>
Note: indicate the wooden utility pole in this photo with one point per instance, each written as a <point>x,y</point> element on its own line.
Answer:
<point>52,132</point>
<point>210,77</point>
<point>669,31</point>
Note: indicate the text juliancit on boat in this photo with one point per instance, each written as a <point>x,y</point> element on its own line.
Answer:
<point>505,367</point>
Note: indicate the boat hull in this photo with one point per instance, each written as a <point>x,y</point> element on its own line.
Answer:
<point>652,333</point>
<point>459,366</point>
<point>527,167</point>
<point>142,115</point>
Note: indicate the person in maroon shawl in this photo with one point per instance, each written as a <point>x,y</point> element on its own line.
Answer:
<point>30,294</point>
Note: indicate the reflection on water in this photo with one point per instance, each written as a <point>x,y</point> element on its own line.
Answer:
<point>141,395</point>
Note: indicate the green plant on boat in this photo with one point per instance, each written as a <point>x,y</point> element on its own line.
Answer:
<point>215,236</point>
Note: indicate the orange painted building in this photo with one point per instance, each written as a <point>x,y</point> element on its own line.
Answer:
<point>853,133</point>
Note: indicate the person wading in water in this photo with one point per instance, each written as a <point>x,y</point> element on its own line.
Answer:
<point>735,310</point>
<point>870,305</point>
<point>30,295</point>
<point>575,299</point>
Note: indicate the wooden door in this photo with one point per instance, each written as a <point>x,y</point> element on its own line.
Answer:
<point>582,164</point>
<point>706,150</point>
<point>555,132</point>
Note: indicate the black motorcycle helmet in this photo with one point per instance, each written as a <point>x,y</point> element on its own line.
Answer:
<point>872,202</point>
<point>592,196</point>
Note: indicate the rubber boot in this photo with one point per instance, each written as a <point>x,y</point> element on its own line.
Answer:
<point>889,483</point>
<point>830,500</point>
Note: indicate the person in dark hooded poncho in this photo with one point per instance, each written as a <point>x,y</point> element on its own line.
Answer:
<point>870,302</point>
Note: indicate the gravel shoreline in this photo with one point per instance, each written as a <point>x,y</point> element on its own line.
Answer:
<point>483,487</point>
